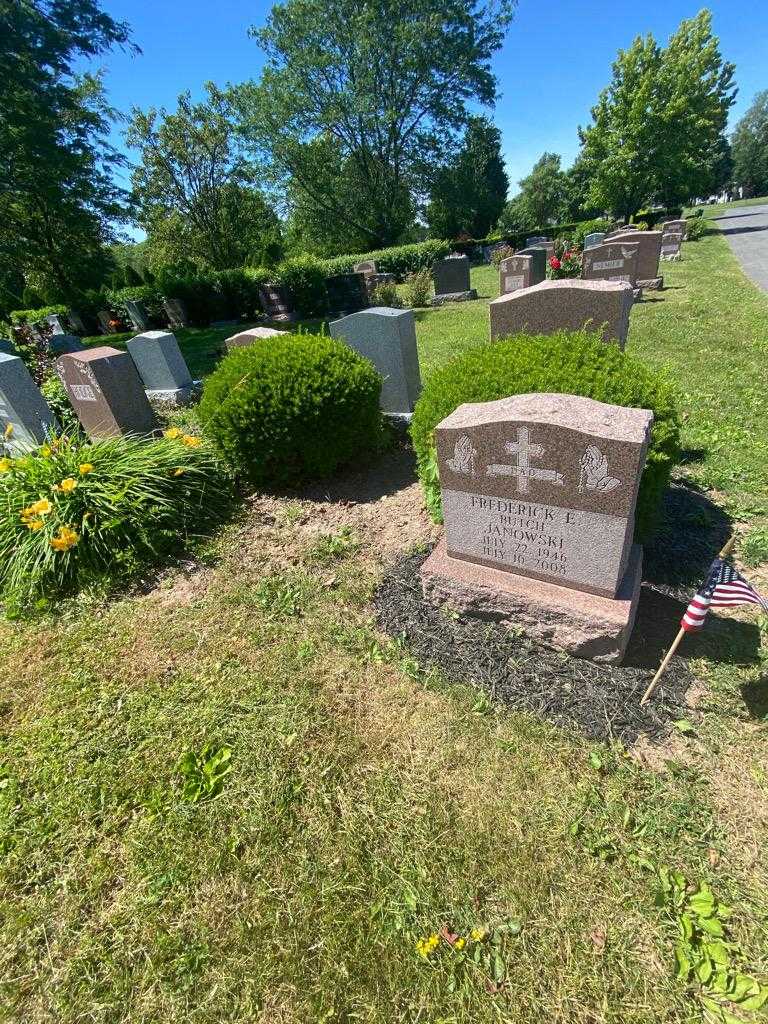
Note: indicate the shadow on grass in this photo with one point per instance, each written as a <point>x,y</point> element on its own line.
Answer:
<point>755,697</point>
<point>745,230</point>
<point>689,456</point>
<point>755,212</point>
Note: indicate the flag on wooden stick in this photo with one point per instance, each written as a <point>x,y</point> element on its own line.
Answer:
<point>724,587</point>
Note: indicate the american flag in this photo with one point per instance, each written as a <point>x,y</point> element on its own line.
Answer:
<point>725,587</point>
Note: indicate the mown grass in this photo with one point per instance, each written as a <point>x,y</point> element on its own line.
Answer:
<point>369,803</point>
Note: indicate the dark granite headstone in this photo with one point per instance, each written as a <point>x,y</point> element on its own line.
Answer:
<point>176,312</point>
<point>106,392</point>
<point>347,293</point>
<point>275,302</point>
<point>21,406</point>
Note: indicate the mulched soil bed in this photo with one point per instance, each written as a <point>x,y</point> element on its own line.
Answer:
<point>600,701</point>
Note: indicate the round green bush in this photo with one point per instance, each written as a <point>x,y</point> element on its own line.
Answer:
<point>291,409</point>
<point>574,363</point>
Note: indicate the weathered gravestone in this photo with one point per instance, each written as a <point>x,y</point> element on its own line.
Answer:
<point>649,253</point>
<point>138,315</point>
<point>539,495</point>
<point>57,322</point>
<point>671,245</point>
<point>522,271</point>
<point>106,392</point>
<point>276,302</point>
<point>675,227</point>
<point>612,261</point>
<point>593,238</point>
<point>569,304</point>
<point>22,407</point>
<point>450,277</point>
<point>347,293</point>
<point>388,338</point>
<point>176,312</point>
<point>245,339</point>
<point>162,368</point>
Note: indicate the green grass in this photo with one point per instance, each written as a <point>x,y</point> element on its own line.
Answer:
<point>368,803</point>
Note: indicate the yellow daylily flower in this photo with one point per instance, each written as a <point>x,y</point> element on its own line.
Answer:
<point>179,472</point>
<point>65,539</point>
<point>42,507</point>
<point>172,433</point>
<point>45,451</point>
<point>67,485</point>
<point>191,441</point>
<point>34,524</point>
<point>5,465</point>
<point>8,432</point>
<point>85,468</point>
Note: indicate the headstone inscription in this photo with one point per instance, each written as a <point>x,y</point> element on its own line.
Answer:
<point>450,277</point>
<point>276,302</point>
<point>162,368</point>
<point>106,392</point>
<point>675,227</point>
<point>138,314</point>
<point>522,271</point>
<point>388,338</point>
<point>612,261</point>
<point>593,238</point>
<point>569,304</point>
<point>244,339</point>
<point>649,253</point>
<point>22,408</point>
<point>671,245</point>
<point>347,293</point>
<point>543,487</point>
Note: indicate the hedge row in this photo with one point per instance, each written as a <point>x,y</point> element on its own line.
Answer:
<point>19,316</point>
<point>399,260</point>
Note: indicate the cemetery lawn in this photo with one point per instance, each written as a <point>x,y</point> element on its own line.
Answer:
<point>370,802</point>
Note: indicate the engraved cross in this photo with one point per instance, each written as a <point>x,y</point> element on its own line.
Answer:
<point>525,451</point>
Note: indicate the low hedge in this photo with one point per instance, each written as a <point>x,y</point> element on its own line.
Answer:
<point>31,316</point>
<point>400,260</point>
<point>292,409</point>
<point>574,363</point>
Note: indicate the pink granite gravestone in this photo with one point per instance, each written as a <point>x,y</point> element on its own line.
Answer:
<point>106,392</point>
<point>245,338</point>
<point>569,304</point>
<point>649,253</point>
<point>539,495</point>
<point>521,271</point>
<point>612,261</point>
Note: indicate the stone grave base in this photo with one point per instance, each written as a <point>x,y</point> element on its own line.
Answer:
<point>671,257</point>
<point>439,300</point>
<point>584,625</point>
<point>637,294</point>
<point>173,398</point>
<point>655,284</point>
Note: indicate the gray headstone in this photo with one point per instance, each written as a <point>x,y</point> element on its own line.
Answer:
<point>522,271</point>
<point>160,364</point>
<point>57,322</point>
<point>106,392</point>
<point>611,261</point>
<point>138,314</point>
<point>593,238</point>
<point>60,344</point>
<point>388,338</point>
<point>105,321</point>
<point>77,322</point>
<point>7,346</point>
<point>649,253</point>
<point>22,406</point>
<point>536,240</point>
<point>176,312</point>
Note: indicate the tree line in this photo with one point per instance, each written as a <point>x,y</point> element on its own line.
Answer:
<point>361,132</point>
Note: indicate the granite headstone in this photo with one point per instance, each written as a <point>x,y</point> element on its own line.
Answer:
<point>539,494</point>
<point>276,302</point>
<point>522,271</point>
<point>450,277</point>
<point>347,293</point>
<point>611,261</point>
<point>568,304</point>
<point>162,367</point>
<point>649,253</point>
<point>244,339</point>
<point>593,238</point>
<point>388,338</point>
<point>22,407</point>
<point>106,392</point>
<point>138,314</point>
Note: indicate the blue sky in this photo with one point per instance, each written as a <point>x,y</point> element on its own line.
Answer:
<point>556,58</point>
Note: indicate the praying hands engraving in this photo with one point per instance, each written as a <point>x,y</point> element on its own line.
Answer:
<point>594,474</point>
<point>464,456</point>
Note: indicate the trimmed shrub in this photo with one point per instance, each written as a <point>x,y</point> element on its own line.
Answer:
<point>696,228</point>
<point>400,259</point>
<point>148,295</point>
<point>75,512</point>
<point>418,288</point>
<point>304,277</point>
<point>292,409</point>
<point>387,295</point>
<point>574,363</point>
<point>588,227</point>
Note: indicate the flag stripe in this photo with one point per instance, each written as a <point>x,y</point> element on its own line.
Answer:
<point>724,587</point>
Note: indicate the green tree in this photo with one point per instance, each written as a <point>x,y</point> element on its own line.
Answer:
<point>194,191</point>
<point>657,129</point>
<point>371,91</point>
<point>543,192</point>
<point>469,194</point>
<point>750,148</point>
<point>58,201</point>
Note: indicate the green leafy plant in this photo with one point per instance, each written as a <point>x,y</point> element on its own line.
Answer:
<point>331,546</point>
<point>399,259</point>
<point>31,316</point>
<point>418,288</point>
<point>55,394</point>
<point>387,295</point>
<point>706,958</point>
<point>75,511</point>
<point>754,547</point>
<point>695,228</point>
<point>565,263</point>
<point>576,363</point>
<point>501,252</point>
<point>304,278</point>
<point>203,772</point>
<point>292,410</point>
<point>280,597</point>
